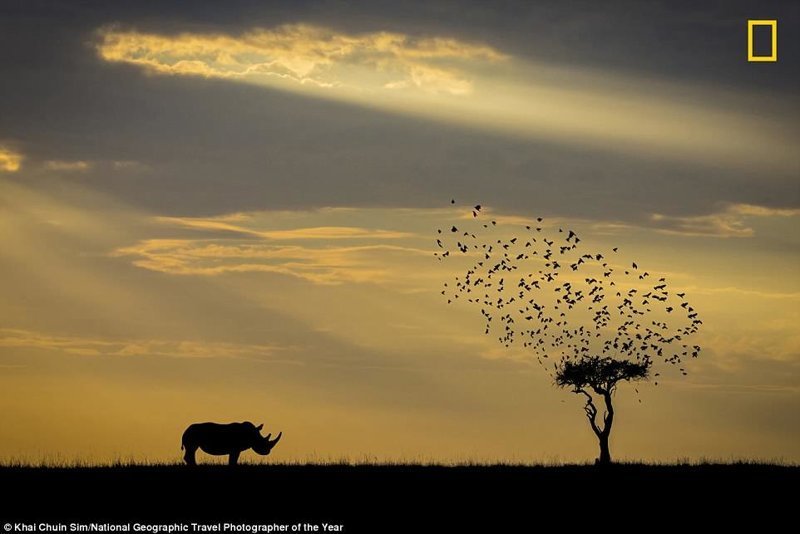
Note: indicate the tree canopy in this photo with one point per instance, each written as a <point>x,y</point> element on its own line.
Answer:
<point>598,374</point>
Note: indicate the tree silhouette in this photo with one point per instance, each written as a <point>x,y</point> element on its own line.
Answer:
<point>599,375</point>
<point>597,319</point>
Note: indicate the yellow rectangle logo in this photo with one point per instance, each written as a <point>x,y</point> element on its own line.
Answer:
<point>773,24</point>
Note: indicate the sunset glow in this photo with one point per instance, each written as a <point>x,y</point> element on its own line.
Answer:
<point>236,218</point>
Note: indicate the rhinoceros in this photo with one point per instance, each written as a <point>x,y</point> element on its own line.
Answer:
<point>230,439</point>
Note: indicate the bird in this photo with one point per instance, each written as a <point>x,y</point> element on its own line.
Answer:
<point>541,311</point>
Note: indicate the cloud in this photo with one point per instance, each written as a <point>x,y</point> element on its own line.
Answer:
<point>10,159</point>
<point>470,84</point>
<point>328,265</point>
<point>308,244</point>
<point>738,291</point>
<point>91,346</point>
<point>762,211</point>
<point>311,245</point>
<point>730,222</point>
<point>67,166</point>
<point>225,223</point>
<point>304,54</point>
<point>764,340</point>
<point>129,165</point>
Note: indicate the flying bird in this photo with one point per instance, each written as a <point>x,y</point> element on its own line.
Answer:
<point>539,310</point>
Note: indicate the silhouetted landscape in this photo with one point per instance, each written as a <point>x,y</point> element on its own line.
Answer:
<point>392,498</point>
<point>352,266</point>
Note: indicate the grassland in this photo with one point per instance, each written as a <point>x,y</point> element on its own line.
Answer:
<point>403,498</point>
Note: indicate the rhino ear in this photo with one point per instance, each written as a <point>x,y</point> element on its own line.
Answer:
<point>259,427</point>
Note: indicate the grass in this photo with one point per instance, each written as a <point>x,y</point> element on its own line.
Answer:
<point>366,460</point>
<point>371,495</point>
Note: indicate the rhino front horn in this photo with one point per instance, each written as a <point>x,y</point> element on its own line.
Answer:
<point>276,440</point>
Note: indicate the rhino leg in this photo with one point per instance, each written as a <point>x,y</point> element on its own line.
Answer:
<point>233,458</point>
<point>188,456</point>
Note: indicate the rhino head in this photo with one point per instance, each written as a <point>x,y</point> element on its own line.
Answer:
<point>263,445</point>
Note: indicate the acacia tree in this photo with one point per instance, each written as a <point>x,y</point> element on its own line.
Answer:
<point>597,319</point>
<point>592,374</point>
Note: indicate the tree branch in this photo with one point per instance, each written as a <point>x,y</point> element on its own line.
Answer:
<point>591,412</point>
<point>599,390</point>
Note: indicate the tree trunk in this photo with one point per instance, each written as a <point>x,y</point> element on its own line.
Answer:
<point>608,420</point>
<point>605,453</point>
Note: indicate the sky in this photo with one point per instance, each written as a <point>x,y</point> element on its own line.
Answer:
<point>228,212</point>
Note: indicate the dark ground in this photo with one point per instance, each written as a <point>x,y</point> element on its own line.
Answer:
<point>410,498</point>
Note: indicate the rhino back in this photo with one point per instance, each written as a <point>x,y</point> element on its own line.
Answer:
<point>216,438</point>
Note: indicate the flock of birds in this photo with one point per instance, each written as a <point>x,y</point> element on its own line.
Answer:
<point>539,286</point>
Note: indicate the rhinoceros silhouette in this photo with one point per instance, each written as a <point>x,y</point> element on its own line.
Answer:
<point>220,439</point>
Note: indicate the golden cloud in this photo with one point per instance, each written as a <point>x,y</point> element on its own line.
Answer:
<point>10,159</point>
<point>288,243</point>
<point>465,83</point>
<point>93,346</point>
<point>328,265</point>
<point>730,222</point>
<point>303,54</point>
<point>762,211</point>
<point>67,166</point>
<point>225,223</point>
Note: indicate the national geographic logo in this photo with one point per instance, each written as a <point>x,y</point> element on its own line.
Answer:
<point>759,34</point>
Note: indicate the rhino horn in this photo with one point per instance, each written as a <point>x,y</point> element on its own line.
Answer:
<point>276,440</point>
